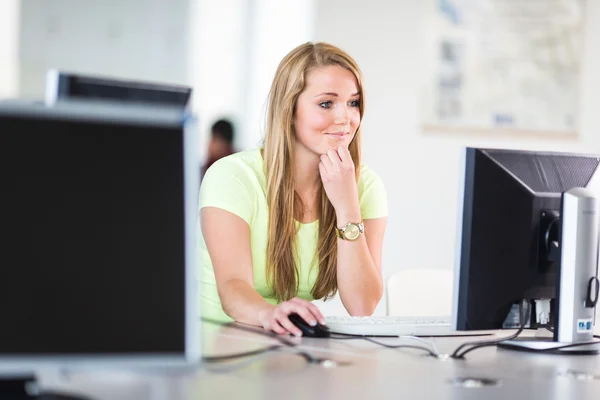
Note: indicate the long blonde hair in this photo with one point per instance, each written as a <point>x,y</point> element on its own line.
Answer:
<point>284,205</point>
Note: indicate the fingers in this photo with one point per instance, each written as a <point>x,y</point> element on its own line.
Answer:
<point>327,164</point>
<point>283,320</point>
<point>312,312</point>
<point>281,323</point>
<point>277,328</point>
<point>336,160</point>
<point>344,154</point>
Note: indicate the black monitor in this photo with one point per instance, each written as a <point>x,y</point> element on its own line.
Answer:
<point>508,239</point>
<point>62,85</point>
<point>97,220</point>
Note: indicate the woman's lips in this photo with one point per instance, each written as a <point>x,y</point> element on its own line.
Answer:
<point>337,135</point>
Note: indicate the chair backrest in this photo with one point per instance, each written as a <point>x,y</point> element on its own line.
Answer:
<point>416,292</point>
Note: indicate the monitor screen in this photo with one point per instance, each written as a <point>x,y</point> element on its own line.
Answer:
<point>508,231</point>
<point>93,233</point>
<point>63,85</point>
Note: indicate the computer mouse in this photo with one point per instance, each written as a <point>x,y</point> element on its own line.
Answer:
<point>319,331</point>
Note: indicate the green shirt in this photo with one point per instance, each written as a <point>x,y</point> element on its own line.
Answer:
<point>237,183</point>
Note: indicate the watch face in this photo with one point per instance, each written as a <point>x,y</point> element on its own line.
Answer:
<point>352,232</point>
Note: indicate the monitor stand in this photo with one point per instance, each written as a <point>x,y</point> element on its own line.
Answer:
<point>548,345</point>
<point>576,280</point>
<point>25,388</point>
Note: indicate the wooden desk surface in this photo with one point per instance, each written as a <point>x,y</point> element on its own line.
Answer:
<point>364,371</point>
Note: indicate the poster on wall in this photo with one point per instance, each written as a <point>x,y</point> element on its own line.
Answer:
<point>503,65</point>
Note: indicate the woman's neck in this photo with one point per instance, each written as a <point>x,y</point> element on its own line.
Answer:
<point>307,179</point>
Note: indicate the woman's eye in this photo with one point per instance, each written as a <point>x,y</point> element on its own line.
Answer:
<point>325,104</point>
<point>355,103</point>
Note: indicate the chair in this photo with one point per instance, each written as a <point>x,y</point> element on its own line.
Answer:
<point>420,292</point>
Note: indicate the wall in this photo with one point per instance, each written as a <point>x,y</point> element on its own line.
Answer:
<point>9,61</point>
<point>421,171</point>
<point>135,39</point>
<point>236,57</point>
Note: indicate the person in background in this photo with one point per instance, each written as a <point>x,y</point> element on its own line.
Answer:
<point>220,144</point>
<point>299,218</point>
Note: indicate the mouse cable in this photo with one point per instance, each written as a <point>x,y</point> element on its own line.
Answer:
<point>429,350</point>
<point>234,356</point>
<point>253,329</point>
<point>230,367</point>
<point>307,356</point>
<point>287,345</point>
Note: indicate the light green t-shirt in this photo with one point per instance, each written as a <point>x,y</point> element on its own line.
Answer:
<point>238,184</point>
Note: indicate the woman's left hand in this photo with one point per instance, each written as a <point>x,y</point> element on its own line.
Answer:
<point>339,181</point>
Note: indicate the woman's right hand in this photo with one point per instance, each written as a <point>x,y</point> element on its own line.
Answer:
<point>275,318</point>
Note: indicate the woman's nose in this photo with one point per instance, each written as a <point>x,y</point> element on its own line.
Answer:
<point>342,116</point>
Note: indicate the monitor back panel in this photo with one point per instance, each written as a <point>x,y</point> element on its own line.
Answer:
<point>92,249</point>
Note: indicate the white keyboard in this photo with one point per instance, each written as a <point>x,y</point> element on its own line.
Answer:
<point>397,326</point>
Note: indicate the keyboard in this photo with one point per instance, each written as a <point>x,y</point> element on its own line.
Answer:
<point>397,326</point>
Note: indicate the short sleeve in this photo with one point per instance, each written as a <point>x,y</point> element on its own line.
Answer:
<point>372,195</point>
<point>227,185</point>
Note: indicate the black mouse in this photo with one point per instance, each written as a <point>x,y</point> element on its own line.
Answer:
<point>320,331</point>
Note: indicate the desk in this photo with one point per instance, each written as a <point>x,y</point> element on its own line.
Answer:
<point>373,372</point>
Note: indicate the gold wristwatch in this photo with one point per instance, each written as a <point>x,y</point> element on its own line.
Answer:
<point>351,231</point>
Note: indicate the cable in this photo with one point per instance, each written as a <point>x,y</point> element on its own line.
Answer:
<point>403,346</point>
<point>287,345</point>
<point>476,345</point>
<point>233,356</point>
<point>224,368</point>
<point>219,367</point>
<point>252,329</point>
<point>418,339</point>
<point>432,352</point>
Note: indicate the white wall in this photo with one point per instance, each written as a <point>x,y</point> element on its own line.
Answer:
<point>276,28</point>
<point>421,171</point>
<point>133,39</point>
<point>239,44</point>
<point>218,54</point>
<point>9,48</point>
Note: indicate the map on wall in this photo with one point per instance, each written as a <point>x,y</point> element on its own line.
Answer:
<point>503,65</point>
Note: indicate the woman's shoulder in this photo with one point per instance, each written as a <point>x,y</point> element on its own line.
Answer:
<point>368,176</point>
<point>246,160</point>
<point>234,183</point>
<point>372,194</point>
<point>244,168</point>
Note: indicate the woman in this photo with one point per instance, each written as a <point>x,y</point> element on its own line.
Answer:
<point>300,218</point>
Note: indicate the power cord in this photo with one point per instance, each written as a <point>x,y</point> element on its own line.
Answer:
<point>457,354</point>
<point>476,345</point>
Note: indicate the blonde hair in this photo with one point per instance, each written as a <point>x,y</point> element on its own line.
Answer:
<point>283,202</point>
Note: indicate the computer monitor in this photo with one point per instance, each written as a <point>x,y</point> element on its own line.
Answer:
<point>508,238</point>
<point>61,85</point>
<point>97,224</point>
